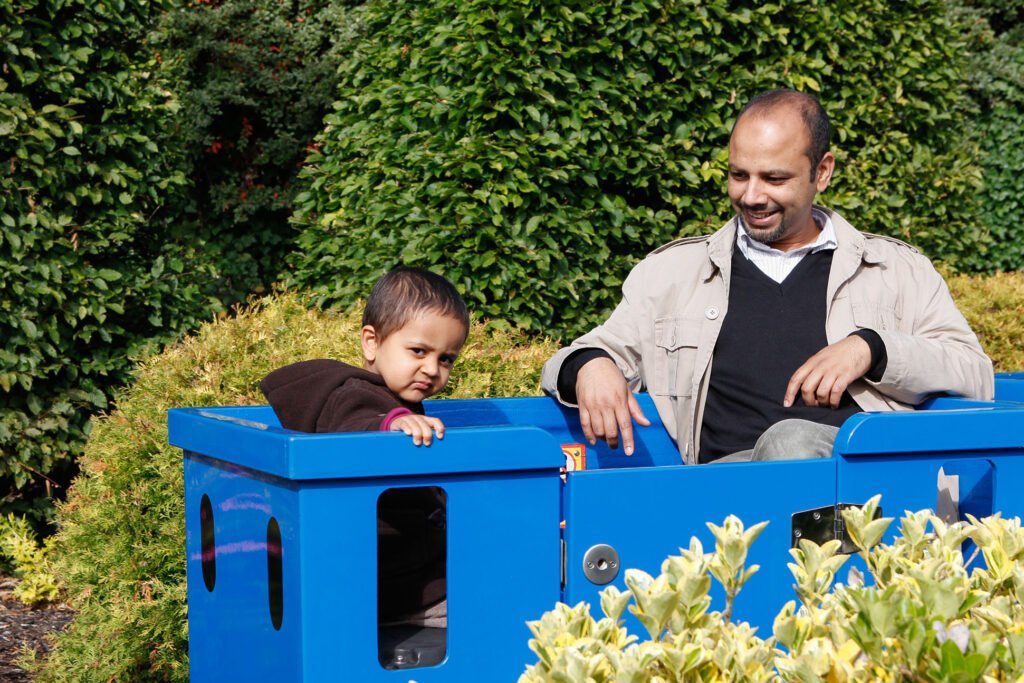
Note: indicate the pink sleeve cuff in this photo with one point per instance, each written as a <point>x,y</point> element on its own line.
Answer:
<point>393,414</point>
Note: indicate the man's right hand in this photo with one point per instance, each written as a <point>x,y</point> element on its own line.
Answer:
<point>607,406</point>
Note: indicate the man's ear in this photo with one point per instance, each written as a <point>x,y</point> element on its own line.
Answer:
<point>823,175</point>
<point>368,336</point>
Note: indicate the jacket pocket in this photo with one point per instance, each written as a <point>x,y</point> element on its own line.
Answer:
<point>675,354</point>
<point>867,316</point>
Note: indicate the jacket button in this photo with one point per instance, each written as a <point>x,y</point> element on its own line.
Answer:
<point>711,313</point>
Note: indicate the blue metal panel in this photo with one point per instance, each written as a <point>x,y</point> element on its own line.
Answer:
<point>939,431</point>
<point>1010,386</point>
<point>898,455</point>
<point>647,514</point>
<point>503,569</point>
<point>653,445</point>
<point>498,466</point>
<point>503,541</point>
<point>296,456</point>
<point>230,628</point>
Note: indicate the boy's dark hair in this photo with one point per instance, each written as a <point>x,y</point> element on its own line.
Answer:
<point>405,292</point>
<point>819,128</point>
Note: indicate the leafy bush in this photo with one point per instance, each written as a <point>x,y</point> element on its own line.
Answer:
<point>88,275</point>
<point>255,78</point>
<point>996,78</point>
<point>119,548</point>
<point>925,616</point>
<point>30,560</point>
<point>533,151</point>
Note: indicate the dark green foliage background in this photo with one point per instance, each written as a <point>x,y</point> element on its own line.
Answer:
<point>533,151</point>
<point>89,275</point>
<point>996,82</point>
<point>255,78</point>
<point>149,153</point>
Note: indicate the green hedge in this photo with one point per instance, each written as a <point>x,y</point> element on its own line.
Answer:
<point>996,81</point>
<point>533,151</point>
<point>152,149</point>
<point>88,276</point>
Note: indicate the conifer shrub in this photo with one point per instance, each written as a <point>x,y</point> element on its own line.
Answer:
<point>994,306</point>
<point>89,275</point>
<point>119,550</point>
<point>534,151</point>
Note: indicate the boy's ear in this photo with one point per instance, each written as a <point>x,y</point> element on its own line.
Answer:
<point>368,336</point>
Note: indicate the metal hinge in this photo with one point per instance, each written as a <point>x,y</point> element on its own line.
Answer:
<point>825,524</point>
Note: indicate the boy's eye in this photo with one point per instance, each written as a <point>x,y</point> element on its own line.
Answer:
<point>448,360</point>
<point>417,351</point>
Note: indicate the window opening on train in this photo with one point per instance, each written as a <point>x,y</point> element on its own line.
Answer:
<point>275,574</point>
<point>208,543</point>
<point>412,558</point>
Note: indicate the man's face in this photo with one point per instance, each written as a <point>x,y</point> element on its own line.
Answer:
<point>770,181</point>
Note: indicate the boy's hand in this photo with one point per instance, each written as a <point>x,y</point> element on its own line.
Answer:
<point>420,427</point>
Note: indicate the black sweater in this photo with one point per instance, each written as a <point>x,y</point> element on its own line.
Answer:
<point>770,330</point>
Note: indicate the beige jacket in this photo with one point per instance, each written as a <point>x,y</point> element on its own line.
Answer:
<point>663,332</point>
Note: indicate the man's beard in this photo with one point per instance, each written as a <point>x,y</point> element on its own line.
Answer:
<point>761,235</point>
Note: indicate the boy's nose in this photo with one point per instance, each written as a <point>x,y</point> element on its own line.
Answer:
<point>430,366</point>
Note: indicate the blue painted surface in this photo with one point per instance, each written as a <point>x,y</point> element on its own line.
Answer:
<point>648,514</point>
<point>499,466</point>
<point>1010,386</point>
<point>503,546</point>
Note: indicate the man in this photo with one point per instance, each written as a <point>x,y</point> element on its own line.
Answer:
<point>758,341</point>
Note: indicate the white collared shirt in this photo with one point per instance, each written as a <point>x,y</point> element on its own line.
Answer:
<point>778,264</point>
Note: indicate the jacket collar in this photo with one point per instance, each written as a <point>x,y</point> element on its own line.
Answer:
<point>720,246</point>
<point>852,250</point>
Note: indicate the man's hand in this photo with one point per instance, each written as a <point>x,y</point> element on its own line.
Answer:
<point>607,407</point>
<point>420,427</point>
<point>822,380</point>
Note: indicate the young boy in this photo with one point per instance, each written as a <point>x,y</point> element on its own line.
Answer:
<point>414,326</point>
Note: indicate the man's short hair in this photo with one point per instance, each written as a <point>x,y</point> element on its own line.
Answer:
<point>813,114</point>
<point>405,292</point>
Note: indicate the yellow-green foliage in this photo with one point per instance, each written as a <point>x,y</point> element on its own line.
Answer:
<point>995,308</point>
<point>924,617</point>
<point>686,641</point>
<point>18,543</point>
<point>120,548</point>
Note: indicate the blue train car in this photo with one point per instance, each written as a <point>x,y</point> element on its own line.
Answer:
<point>283,536</point>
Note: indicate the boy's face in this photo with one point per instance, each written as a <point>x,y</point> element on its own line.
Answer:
<point>416,359</point>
